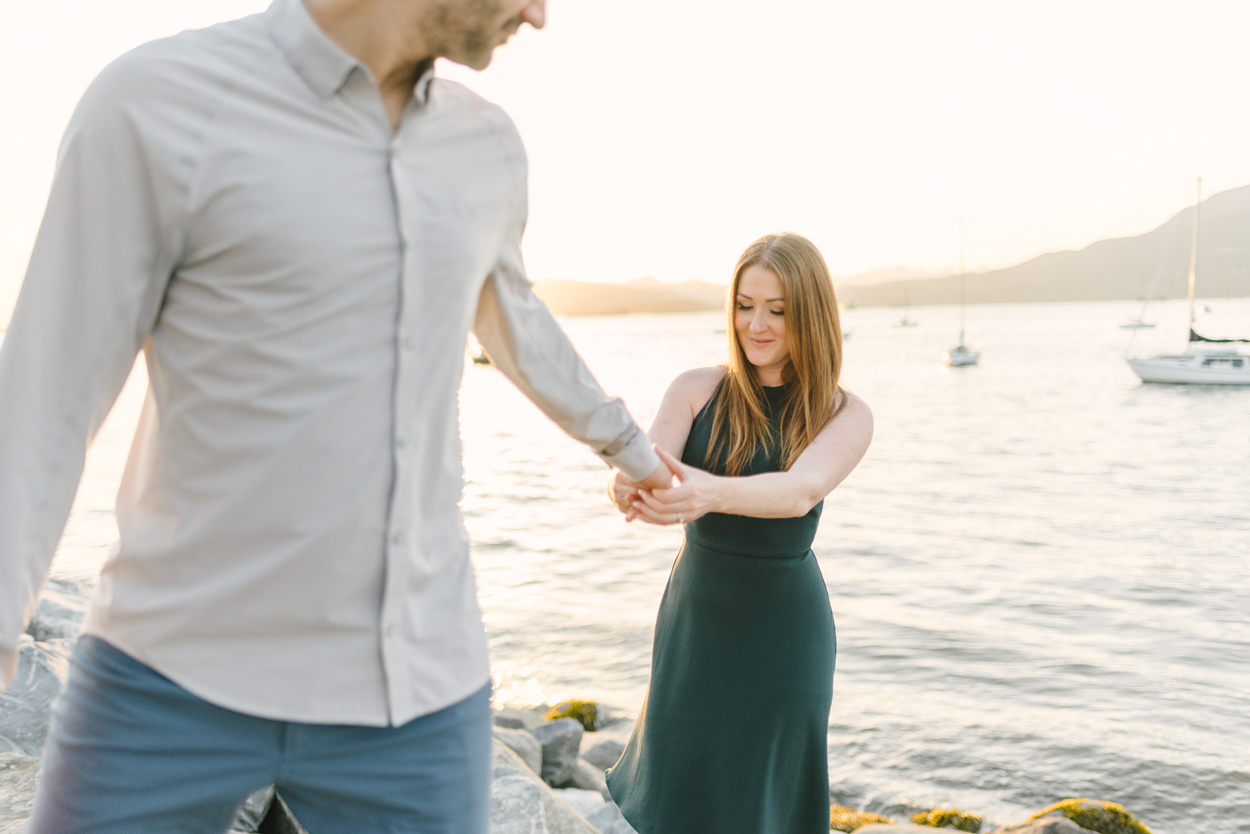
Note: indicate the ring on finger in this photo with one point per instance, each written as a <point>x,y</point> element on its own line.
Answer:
<point>680,519</point>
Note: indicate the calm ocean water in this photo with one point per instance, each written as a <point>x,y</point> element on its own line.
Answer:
<point>1040,573</point>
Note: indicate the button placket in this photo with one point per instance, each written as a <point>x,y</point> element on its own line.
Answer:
<point>399,538</point>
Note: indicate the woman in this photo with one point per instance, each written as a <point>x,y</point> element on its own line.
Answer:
<point>732,735</point>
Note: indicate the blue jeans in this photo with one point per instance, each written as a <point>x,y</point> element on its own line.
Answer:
<point>131,752</point>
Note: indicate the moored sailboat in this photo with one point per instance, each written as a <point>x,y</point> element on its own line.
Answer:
<point>906,321</point>
<point>1200,365</point>
<point>961,354</point>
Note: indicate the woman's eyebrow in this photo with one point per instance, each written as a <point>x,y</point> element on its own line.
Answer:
<point>749,298</point>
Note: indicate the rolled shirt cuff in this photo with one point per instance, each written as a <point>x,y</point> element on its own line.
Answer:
<point>632,454</point>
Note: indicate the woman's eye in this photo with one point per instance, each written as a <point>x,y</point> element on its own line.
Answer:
<point>744,307</point>
<point>778,312</point>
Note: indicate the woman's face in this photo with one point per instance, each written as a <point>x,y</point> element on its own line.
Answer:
<point>760,322</point>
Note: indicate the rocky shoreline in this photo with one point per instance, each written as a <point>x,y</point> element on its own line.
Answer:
<point>547,764</point>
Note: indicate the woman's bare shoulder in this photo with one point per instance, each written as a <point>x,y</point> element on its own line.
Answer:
<point>852,409</point>
<point>855,404</point>
<point>696,386</point>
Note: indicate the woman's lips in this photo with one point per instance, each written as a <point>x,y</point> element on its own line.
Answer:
<point>761,342</point>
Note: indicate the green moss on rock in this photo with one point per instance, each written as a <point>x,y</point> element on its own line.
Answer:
<point>842,818</point>
<point>584,712</point>
<point>1096,815</point>
<point>949,818</point>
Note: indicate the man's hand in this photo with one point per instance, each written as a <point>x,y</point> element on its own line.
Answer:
<point>622,492</point>
<point>695,495</point>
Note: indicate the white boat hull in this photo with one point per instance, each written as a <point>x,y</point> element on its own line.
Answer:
<point>1224,368</point>
<point>962,356</point>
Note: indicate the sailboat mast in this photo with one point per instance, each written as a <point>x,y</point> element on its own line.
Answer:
<point>961,279</point>
<point>1193,259</point>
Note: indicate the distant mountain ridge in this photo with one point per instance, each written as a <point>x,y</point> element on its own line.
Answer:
<point>1107,270</point>
<point>642,295</point>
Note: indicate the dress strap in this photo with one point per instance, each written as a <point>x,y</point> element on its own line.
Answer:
<point>708,407</point>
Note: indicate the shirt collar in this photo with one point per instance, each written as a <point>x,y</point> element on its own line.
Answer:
<point>322,64</point>
<point>422,90</point>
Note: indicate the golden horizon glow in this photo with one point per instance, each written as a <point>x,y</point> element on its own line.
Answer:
<point>663,138</point>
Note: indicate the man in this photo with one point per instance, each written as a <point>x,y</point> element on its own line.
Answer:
<point>298,225</point>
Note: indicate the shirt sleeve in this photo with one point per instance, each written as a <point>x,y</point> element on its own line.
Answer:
<point>92,291</point>
<point>524,341</point>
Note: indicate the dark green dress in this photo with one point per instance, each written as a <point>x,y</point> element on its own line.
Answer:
<point>732,734</point>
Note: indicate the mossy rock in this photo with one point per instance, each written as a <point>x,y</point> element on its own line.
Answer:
<point>584,712</point>
<point>949,818</point>
<point>842,818</point>
<point>1096,815</point>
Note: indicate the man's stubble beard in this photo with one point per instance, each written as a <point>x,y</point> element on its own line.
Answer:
<point>467,31</point>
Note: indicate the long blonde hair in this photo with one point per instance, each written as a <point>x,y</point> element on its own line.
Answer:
<point>814,333</point>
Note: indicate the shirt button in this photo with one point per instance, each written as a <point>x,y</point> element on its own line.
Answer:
<point>397,538</point>
<point>409,343</point>
<point>389,631</point>
<point>401,442</point>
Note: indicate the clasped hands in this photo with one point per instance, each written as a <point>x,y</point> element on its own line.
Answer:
<point>673,494</point>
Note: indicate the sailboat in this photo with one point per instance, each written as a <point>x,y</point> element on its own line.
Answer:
<point>961,354</point>
<point>905,321</point>
<point>1201,365</point>
<point>1140,322</point>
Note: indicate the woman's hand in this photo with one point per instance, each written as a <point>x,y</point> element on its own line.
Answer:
<point>695,495</point>
<point>622,491</point>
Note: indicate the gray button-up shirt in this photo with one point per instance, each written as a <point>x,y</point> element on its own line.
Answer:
<point>302,280</point>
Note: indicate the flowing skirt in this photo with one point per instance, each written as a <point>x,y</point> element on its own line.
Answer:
<point>732,737</point>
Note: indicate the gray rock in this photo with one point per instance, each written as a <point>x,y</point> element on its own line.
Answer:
<point>1047,825</point>
<point>253,810</point>
<point>590,778</point>
<point>26,707</point>
<point>18,776</point>
<point>524,744</point>
<point>59,614</point>
<point>561,819</point>
<point>583,802</point>
<point>519,719</point>
<point>279,819</point>
<point>516,806</point>
<point>502,757</point>
<point>605,753</point>
<point>502,771</point>
<point>609,820</point>
<point>560,740</point>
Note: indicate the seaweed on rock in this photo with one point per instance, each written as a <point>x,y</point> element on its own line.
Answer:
<point>1096,815</point>
<point>842,818</point>
<point>949,818</point>
<point>584,712</point>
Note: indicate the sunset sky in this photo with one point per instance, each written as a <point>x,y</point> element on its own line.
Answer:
<point>665,135</point>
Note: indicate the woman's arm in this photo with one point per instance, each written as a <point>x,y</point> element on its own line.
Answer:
<point>833,455</point>
<point>686,395</point>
